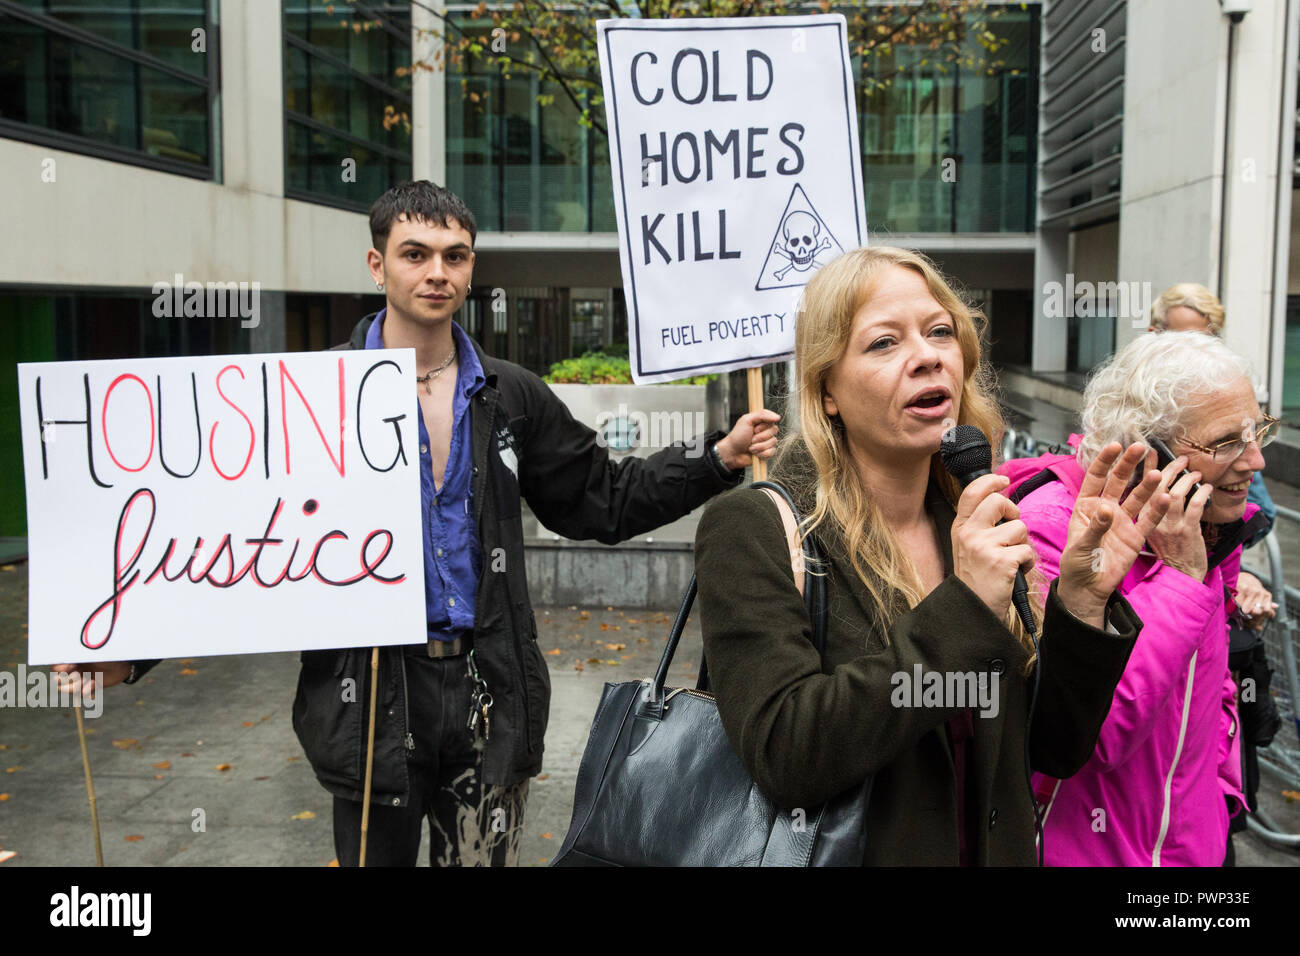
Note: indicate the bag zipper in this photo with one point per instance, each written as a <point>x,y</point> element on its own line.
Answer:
<point>406,707</point>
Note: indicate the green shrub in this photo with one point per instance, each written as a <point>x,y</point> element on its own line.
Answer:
<point>600,368</point>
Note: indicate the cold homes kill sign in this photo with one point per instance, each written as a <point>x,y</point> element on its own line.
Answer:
<point>221,505</point>
<point>737,174</point>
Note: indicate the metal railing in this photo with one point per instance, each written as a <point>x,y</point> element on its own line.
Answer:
<point>1282,756</point>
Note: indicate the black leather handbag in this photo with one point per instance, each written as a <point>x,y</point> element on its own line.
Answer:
<point>660,785</point>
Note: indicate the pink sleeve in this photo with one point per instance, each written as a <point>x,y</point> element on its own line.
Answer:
<point>1230,746</point>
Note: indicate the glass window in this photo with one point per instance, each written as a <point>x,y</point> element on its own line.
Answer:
<point>952,149</point>
<point>347,83</point>
<point>133,89</point>
<point>518,164</point>
<point>942,151</point>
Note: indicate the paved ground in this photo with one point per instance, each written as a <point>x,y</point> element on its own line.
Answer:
<point>211,738</point>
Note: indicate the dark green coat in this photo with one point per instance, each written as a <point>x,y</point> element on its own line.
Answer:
<point>807,732</point>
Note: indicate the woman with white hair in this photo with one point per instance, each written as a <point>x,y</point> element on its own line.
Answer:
<point>1154,791</point>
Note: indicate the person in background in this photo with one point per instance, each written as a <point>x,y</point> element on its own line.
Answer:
<point>464,706</point>
<point>1167,769</point>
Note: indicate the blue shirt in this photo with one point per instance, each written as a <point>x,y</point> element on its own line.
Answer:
<point>452,561</point>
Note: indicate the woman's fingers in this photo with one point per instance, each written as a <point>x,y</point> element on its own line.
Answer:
<point>1119,475</point>
<point>1153,513</point>
<point>974,494</point>
<point>1009,533</point>
<point>993,509</point>
<point>1196,506</point>
<point>1140,495</point>
<point>1094,480</point>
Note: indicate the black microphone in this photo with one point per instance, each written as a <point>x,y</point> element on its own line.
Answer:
<point>967,456</point>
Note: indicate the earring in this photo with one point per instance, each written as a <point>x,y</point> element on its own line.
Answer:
<point>468,288</point>
<point>379,286</point>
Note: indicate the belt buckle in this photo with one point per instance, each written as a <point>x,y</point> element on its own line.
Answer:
<point>440,649</point>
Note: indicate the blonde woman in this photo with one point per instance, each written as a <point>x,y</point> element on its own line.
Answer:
<point>919,582</point>
<point>1185,307</point>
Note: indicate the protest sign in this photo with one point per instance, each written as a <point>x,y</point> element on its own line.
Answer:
<point>737,174</point>
<point>221,505</point>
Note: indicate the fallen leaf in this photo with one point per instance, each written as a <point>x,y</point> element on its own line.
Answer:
<point>613,663</point>
<point>14,769</point>
<point>126,743</point>
<point>632,620</point>
<point>593,660</point>
<point>609,627</point>
<point>249,723</point>
<point>134,838</point>
<point>643,640</point>
<point>188,670</point>
<point>6,567</point>
<point>164,765</point>
<point>543,776</point>
<point>542,860</point>
<point>578,666</point>
<point>547,836</point>
<point>584,615</point>
<point>187,755</point>
<point>305,815</point>
<point>609,607</point>
<point>4,746</point>
<point>157,776</point>
<point>615,647</point>
<point>1291,795</point>
<point>3,797</point>
<point>223,767</point>
<point>7,855</point>
<point>554,653</point>
<point>292,759</point>
<point>333,862</point>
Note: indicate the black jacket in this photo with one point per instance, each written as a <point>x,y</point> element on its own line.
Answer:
<point>575,490</point>
<point>808,728</point>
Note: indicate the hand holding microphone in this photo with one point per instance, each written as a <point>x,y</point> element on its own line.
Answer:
<point>990,544</point>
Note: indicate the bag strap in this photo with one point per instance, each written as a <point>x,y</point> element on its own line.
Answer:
<point>791,537</point>
<point>813,591</point>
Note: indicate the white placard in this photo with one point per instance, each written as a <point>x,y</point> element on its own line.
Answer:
<point>737,174</point>
<point>221,505</point>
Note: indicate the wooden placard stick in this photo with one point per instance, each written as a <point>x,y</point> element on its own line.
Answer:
<point>370,750</point>
<point>90,783</point>
<point>754,377</point>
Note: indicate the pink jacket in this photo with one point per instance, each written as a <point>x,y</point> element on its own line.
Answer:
<point>1168,753</point>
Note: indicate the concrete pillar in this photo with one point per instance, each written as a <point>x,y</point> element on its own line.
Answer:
<point>252,96</point>
<point>428,95</point>
<point>269,335</point>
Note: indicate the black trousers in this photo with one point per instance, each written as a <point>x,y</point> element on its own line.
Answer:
<point>470,824</point>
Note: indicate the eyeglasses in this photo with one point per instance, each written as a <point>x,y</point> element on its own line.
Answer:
<point>1262,433</point>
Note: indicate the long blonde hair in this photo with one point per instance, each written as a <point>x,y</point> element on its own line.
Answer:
<point>830,301</point>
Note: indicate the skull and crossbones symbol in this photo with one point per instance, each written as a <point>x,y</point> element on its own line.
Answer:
<point>802,241</point>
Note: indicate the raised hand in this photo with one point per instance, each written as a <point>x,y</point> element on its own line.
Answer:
<point>754,436</point>
<point>1105,535</point>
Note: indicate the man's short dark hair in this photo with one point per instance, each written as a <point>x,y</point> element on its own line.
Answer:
<point>419,200</point>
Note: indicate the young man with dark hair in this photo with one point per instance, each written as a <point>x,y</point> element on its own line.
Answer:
<point>463,713</point>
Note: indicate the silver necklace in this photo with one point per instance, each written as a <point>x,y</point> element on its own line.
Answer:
<point>428,377</point>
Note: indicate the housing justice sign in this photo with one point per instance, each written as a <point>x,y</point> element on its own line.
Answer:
<point>737,174</point>
<point>221,505</point>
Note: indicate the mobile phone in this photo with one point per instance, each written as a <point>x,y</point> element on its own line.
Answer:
<point>1163,457</point>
